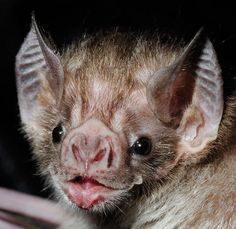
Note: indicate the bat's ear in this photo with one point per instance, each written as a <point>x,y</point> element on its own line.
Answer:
<point>188,95</point>
<point>36,65</point>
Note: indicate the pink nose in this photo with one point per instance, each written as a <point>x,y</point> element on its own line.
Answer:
<point>96,150</point>
<point>92,148</point>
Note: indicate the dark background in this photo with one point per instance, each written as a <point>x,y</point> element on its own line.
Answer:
<point>66,20</point>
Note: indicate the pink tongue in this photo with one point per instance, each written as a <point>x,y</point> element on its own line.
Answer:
<point>88,184</point>
<point>86,193</point>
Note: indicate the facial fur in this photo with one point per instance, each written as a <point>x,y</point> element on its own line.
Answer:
<point>105,79</point>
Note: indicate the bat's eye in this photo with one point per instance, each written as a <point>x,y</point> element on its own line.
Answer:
<point>57,134</point>
<point>142,146</point>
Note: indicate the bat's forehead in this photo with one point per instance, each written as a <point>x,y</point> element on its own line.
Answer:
<point>103,99</point>
<point>107,74</point>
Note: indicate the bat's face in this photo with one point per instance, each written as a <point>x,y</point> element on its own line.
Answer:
<point>114,115</point>
<point>103,140</point>
<point>102,150</point>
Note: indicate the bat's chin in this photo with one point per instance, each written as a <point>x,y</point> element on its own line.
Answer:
<point>88,193</point>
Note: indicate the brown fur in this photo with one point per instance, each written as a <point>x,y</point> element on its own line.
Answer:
<point>195,193</point>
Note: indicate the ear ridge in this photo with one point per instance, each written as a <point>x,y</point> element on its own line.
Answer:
<point>30,58</point>
<point>209,80</point>
<point>29,62</point>
<point>207,99</point>
<point>51,59</point>
<point>35,64</point>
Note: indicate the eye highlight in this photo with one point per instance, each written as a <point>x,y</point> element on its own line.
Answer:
<point>57,134</point>
<point>142,146</point>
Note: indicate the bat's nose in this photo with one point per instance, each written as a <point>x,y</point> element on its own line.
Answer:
<point>90,150</point>
<point>92,147</point>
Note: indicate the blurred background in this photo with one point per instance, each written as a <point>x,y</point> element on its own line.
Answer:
<point>67,20</point>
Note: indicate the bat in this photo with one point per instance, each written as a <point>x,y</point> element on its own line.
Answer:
<point>131,132</point>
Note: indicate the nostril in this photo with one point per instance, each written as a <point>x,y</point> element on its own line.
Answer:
<point>76,153</point>
<point>100,155</point>
<point>110,158</point>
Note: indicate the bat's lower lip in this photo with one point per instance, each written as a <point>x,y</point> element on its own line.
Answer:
<point>87,192</point>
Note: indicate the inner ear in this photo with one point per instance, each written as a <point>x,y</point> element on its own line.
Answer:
<point>180,93</point>
<point>188,95</point>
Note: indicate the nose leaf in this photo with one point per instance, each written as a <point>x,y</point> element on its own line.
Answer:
<point>97,150</point>
<point>92,148</point>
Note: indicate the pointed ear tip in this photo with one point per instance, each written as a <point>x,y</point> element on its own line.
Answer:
<point>32,15</point>
<point>200,38</point>
<point>33,21</point>
<point>201,30</point>
<point>201,33</point>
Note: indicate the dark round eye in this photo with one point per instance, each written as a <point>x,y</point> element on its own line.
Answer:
<point>142,146</point>
<point>57,134</point>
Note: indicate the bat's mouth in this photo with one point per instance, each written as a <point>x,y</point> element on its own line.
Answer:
<point>87,192</point>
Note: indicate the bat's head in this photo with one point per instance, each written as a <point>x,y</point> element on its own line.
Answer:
<point>114,115</point>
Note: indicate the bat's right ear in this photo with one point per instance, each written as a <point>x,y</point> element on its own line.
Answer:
<point>36,65</point>
<point>188,95</point>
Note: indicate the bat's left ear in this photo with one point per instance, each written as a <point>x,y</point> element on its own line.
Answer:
<point>188,95</point>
